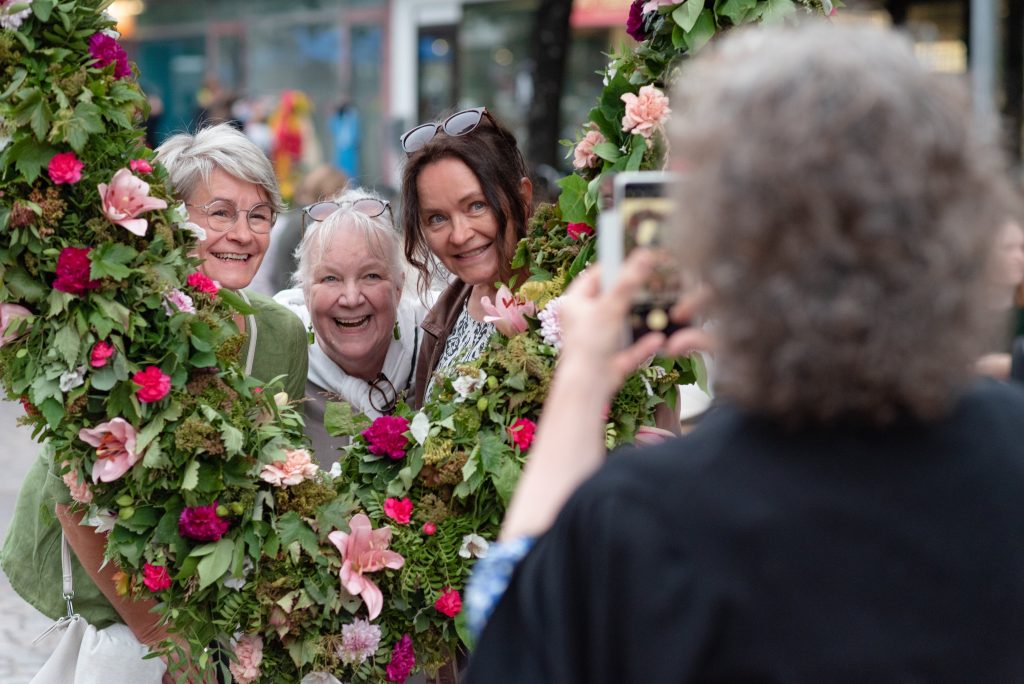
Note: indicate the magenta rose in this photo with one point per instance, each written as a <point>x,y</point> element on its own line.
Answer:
<point>202,523</point>
<point>521,433</point>
<point>73,271</point>
<point>105,50</point>
<point>65,168</point>
<point>386,436</point>
<point>153,384</point>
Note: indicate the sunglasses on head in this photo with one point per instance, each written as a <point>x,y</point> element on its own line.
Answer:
<point>368,206</point>
<point>459,123</point>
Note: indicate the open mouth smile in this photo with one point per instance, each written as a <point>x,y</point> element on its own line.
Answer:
<point>231,256</point>
<point>351,323</point>
<point>473,252</point>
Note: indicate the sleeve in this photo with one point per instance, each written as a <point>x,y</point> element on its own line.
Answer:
<point>298,362</point>
<point>606,596</point>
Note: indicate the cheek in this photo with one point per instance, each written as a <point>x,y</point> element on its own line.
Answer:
<point>262,243</point>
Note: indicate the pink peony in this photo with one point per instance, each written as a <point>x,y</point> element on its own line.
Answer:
<point>176,300</point>
<point>101,352</point>
<point>80,491</point>
<point>248,656</point>
<point>155,577</point>
<point>65,168</point>
<point>583,156</point>
<point>508,312</point>
<point>645,111</point>
<point>125,198</point>
<point>9,314</point>
<point>521,432</point>
<point>399,510</point>
<point>578,230</point>
<point>200,282</point>
<point>296,468</point>
<point>153,384</point>
<point>105,49</point>
<point>359,641</point>
<point>650,435</point>
<point>115,448</point>
<point>202,523</point>
<point>364,550</point>
<point>450,603</point>
<point>140,165</point>
<point>386,436</point>
<point>73,268</point>
<point>403,659</point>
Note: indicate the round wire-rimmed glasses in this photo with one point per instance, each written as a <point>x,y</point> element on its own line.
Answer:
<point>222,215</point>
<point>383,395</point>
<point>368,206</point>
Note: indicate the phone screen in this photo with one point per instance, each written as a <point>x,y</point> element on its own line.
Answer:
<point>645,210</point>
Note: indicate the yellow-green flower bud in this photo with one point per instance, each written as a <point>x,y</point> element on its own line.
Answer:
<point>222,511</point>
<point>237,507</point>
<point>481,404</point>
<point>125,500</point>
<point>126,512</point>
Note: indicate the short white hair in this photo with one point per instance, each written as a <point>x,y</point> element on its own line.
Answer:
<point>191,159</point>
<point>380,233</point>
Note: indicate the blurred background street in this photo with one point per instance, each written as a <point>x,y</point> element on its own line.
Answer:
<point>20,623</point>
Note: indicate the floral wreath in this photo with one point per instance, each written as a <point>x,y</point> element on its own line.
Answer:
<point>126,360</point>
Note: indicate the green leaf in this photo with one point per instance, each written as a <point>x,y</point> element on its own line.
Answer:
<point>23,285</point>
<point>572,201</point>
<point>148,433</point>
<point>636,155</point>
<point>302,652</point>
<point>155,457</point>
<point>334,515</point>
<point>68,344</point>
<point>53,411</point>
<point>607,151</point>
<point>233,300</point>
<point>191,476</point>
<point>505,479</point>
<point>29,155</point>
<point>340,420</point>
<point>115,311</point>
<point>734,10</point>
<point>213,566</point>
<point>40,120</point>
<point>777,10</point>
<point>110,259</point>
<point>293,528</point>
<point>42,9</point>
<point>492,448</point>
<point>702,31</point>
<point>232,437</point>
<point>16,81</point>
<point>686,14</point>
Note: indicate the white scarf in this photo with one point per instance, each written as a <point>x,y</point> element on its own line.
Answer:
<point>398,364</point>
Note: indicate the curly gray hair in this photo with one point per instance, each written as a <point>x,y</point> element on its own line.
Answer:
<point>841,206</point>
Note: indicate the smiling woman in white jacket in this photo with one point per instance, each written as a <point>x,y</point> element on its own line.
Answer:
<point>349,286</point>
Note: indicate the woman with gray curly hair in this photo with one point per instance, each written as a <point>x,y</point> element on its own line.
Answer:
<point>350,279</point>
<point>851,512</point>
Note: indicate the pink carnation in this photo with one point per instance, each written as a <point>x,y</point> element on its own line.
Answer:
<point>399,510</point>
<point>521,432</point>
<point>105,49</point>
<point>359,641</point>
<point>449,603</point>
<point>140,165</point>
<point>578,230</point>
<point>248,656</point>
<point>645,111</point>
<point>386,437</point>
<point>101,352</point>
<point>202,523</point>
<point>80,491</point>
<point>153,384</point>
<point>583,156</point>
<point>201,283</point>
<point>155,577</point>
<point>73,267</point>
<point>176,300</point>
<point>296,468</point>
<point>65,168</point>
<point>403,659</point>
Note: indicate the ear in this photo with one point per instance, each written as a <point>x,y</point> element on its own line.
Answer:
<point>526,192</point>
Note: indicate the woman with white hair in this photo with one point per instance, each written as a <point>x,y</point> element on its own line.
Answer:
<point>350,279</point>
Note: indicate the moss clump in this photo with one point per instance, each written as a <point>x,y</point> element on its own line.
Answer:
<point>196,435</point>
<point>431,508</point>
<point>303,498</point>
<point>230,350</point>
<point>210,389</point>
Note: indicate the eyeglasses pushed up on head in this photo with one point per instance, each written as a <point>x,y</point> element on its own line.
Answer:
<point>222,214</point>
<point>368,206</point>
<point>459,123</point>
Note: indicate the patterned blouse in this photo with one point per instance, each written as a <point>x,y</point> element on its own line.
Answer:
<point>466,343</point>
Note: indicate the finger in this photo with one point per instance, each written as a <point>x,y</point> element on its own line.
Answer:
<point>586,284</point>
<point>634,274</point>
<point>689,340</point>
<point>690,304</point>
<point>631,358</point>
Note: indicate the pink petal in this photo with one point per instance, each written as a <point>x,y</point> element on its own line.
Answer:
<point>373,598</point>
<point>136,226</point>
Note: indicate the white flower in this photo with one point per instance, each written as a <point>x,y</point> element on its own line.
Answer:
<point>102,519</point>
<point>466,384</point>
<point>319,678</point>
<point>72,379</point>
<point>335,470</point>
<point>550,328</point>
<point>473,545</point>
<point>237,583</point>
<point>12,20</point>
<point>281,399</point>
<point>195,228</point>
<point>420,427</point>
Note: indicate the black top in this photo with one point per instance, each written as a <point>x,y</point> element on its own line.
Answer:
<point>745,553</point>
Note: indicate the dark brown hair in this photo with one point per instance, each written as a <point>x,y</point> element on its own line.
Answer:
<point>491,153</point>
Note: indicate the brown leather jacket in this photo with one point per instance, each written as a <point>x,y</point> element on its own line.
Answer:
<point>437,325</point>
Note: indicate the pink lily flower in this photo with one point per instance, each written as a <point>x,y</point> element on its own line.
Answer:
<point>8,314</point>
<point>508,311</point>
<point>650,435</point>
<point>115,448</point>
<point>125,198</point>
<point>364,550</point>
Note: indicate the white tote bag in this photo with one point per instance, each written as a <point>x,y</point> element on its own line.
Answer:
<point>86,655</point>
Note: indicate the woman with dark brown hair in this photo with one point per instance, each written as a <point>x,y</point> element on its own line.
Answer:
<point>466,198</point>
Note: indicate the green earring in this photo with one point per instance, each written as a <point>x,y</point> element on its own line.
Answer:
<point>397,332</point>
<point>310,336</point>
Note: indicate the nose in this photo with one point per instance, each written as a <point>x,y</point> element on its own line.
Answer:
<point>462,230</point>
<point>240,231</point>
<point>350,294</point>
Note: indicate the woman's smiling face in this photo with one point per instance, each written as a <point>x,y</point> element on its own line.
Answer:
<point>353,302</point>
<point>232,257</point>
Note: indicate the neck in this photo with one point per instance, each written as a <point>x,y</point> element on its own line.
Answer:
<point>367,370</point>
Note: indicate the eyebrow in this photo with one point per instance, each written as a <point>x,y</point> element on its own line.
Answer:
<point>465,198</point>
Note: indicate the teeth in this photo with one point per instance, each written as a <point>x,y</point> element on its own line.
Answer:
<point>351,322</point>
<point>232,257</point>
<point>474,252</point>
